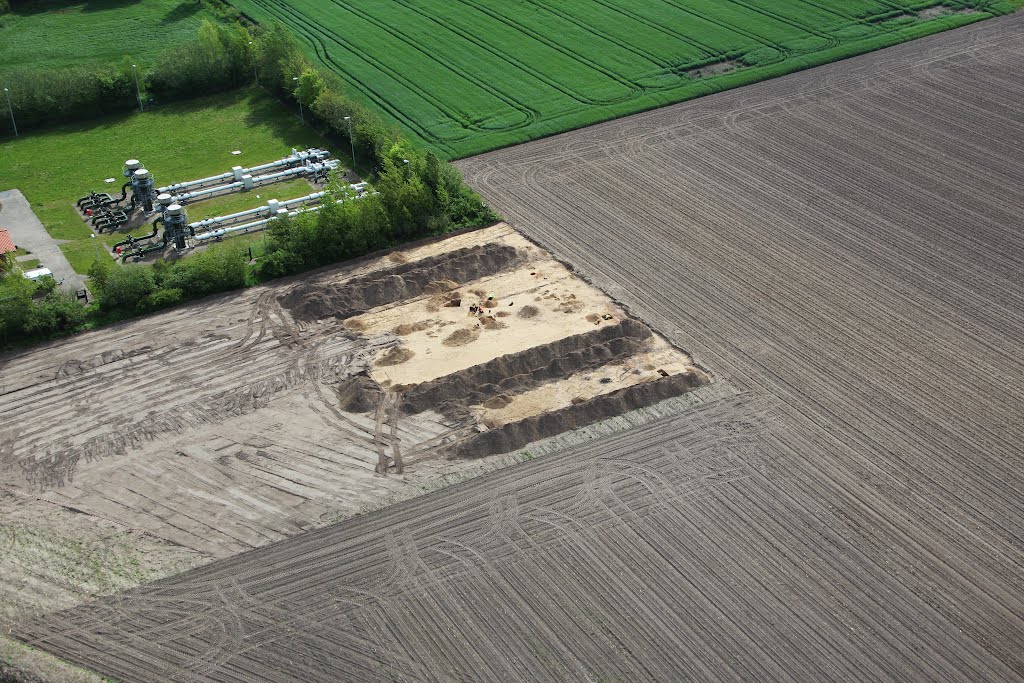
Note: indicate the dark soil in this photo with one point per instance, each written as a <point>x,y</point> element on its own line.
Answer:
<point>515,373</point>
<point>313,301</point>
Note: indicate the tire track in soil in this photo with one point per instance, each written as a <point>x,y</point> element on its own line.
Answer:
<point>850,513</point>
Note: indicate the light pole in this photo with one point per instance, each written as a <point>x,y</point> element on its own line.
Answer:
<point>138,90</point>
<point>301,117</point>
<point>252,51</point>
<point>352,142</point>
<point>7,93</point>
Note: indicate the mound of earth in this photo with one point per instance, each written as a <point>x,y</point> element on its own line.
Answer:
<point>315,300</point>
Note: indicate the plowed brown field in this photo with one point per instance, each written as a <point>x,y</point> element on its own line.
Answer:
<point>844,250</point>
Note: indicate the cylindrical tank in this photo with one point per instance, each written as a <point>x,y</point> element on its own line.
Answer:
<point>176,225</point>
<point>163,201</point>
<point>130,167</point>
<point>142,187</point>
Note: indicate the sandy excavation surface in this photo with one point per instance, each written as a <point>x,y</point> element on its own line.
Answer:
<point>445,338</point>
<point>142,449</point>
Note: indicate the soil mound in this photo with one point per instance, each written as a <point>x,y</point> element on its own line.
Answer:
<point>439,286</point>
<point>395,356</point>
<point>497,402</point>
<point>515,373</point>
<point>528,311</point>
<point>359,394</point>
<point>515,435</point>
<point>461,337</point>
<point>408,328</point>
<point>312,301</point>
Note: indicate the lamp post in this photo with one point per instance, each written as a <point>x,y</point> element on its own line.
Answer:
<point>352,142</point>
<point>138,90</point>
<point>255,75</point>
<point>301,117</point>
<point>7,93</point>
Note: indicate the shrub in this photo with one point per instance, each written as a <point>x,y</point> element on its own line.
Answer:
<point>162,298</point>
<point>126,287</point>
<point>56,313</point>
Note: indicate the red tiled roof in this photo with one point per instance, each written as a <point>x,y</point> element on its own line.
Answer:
<point>6,244</point>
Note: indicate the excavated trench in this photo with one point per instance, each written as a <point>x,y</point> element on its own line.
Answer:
<point>313,301</point>
<point>515,435</point>
<point>515,373</point>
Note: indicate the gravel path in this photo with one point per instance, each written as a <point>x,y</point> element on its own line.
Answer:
<point>28,233</point>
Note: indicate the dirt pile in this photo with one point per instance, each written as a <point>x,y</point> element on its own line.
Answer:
<point>528,311</point>
<point>312,301</point>
<point>408,328</point>
<point>396,355</point>
<point>359,394</point>
<point>518,372</point>
<point>515,435</point>
<point>461,337</point>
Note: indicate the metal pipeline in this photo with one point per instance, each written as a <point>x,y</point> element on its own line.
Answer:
<point>310,169</point>
<point>193,183</point>
<point>132,240</point>
<point>295,158</point>
<point>207,222</point>
<point>246,227</point>
<point>190,196</point>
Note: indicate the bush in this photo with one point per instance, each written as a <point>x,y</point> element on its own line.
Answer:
<point>219,268</point>
<point>161,298</point>
<point>57,312</point>
<point>219,60</point>
<point>126,287</point>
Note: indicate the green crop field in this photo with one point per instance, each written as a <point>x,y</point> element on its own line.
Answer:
<point>180,141</point>
<point>466,76</point>
<point>70,33</point>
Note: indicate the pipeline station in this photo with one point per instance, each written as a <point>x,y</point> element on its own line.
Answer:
<point>140,198</point>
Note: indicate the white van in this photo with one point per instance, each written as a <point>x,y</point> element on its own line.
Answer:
<point>37,273</point>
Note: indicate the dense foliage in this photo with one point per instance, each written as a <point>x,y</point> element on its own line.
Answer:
<point>415,193</point>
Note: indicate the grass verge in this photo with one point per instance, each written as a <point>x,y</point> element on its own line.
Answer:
<point>176,142</point>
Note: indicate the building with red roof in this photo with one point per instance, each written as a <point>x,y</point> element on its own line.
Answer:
<point>6,243</point>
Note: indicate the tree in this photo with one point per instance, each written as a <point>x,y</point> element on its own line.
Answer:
<point>311,85</point>
<point>126,287</point>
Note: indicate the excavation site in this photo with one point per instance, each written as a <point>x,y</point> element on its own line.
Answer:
<point>284,408</point>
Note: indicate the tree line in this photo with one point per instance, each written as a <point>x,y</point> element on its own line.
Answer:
<point>414,193</point>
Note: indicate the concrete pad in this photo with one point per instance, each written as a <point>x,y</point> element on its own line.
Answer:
<point>17,217</point>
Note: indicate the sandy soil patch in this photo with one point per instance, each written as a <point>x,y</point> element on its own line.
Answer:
<point>545,302</point>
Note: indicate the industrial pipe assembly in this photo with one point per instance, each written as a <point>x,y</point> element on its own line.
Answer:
<point>314,170</point>
<point>260,210</point>
<point>271,210</point>
<point>100,200</point>
<point>236,173</point>
<point>260,224</point>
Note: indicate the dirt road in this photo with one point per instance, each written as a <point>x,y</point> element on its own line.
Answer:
<point>844,247</point>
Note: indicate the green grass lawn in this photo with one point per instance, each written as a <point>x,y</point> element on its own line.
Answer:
<point>176,142</point>
<point>51,33</point>
<point>466,76</point>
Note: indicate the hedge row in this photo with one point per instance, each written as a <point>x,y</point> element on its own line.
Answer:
<point>415,193</point>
